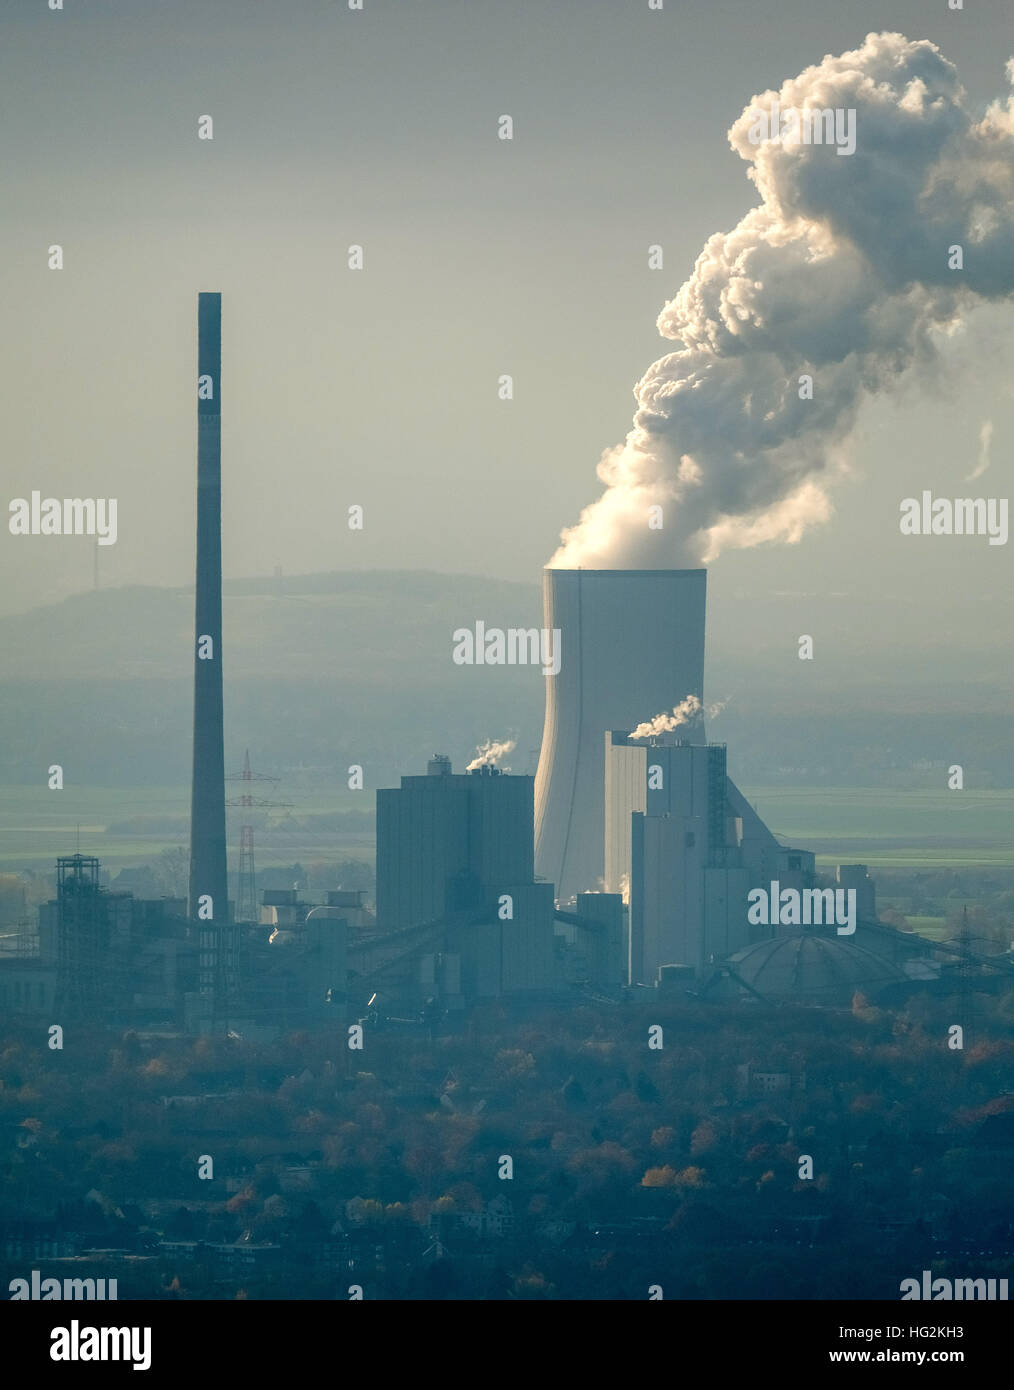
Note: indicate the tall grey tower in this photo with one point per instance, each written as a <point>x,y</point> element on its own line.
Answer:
<point>207,812</point>
<point>632,647</point>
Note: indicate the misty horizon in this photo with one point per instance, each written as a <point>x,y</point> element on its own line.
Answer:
<point>528,816</point>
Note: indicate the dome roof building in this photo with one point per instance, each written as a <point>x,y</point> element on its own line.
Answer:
<point>809,968</point>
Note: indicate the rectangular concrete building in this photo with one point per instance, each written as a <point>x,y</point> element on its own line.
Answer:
<point>444,841</point>
<point>685,846</point>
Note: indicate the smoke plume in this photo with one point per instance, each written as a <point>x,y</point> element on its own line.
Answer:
<point>684,713</point>
<point>841,273</point>
<point>488,754</point>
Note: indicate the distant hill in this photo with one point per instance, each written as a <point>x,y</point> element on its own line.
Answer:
<point>323,671</point>
<point>355,667</point>
<point>334,625</point>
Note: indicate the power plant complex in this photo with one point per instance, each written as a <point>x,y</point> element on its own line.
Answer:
<point>630,865</point>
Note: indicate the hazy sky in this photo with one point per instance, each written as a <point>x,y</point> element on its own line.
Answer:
<point>482,257</point>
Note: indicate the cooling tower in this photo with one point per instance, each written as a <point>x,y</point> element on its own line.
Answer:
<point>632,645</point>
<point>207,813</point>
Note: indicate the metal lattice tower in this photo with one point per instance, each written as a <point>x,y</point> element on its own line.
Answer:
<point>81,933</point>
<point>246,888</point>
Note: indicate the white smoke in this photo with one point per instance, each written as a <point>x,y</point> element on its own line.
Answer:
<point>985,451</point>
<point>488,754</point>
<point>683,713</point>
<point>840,273</point>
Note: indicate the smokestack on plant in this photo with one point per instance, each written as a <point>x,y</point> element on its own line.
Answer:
<point>209,898</point>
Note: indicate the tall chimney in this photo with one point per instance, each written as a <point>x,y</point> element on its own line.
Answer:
<point>207,810</point>
<point>632,646</point>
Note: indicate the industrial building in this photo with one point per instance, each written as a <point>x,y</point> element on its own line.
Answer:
<point>857,878</point>
<point>455,867</point>
<point>685,846</point>
<point>100,953</point>
<point>654,822</point>
<point>300,977</point>
<point>461,916</point>
<point>447,841</point>
<point>804,968</point>
<point>631,645</point>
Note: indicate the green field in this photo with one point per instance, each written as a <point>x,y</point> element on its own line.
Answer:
<point>893,829</point>
<point>886,829</point>
<point>935,928</point>
<point>37,825</point>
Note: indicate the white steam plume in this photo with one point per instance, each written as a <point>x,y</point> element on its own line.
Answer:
<point>488,754</point>
<point>683,713</point>
<point>840,273</point>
